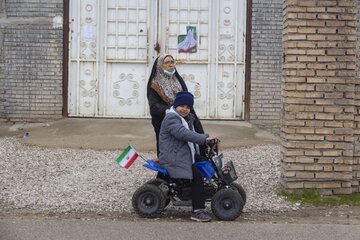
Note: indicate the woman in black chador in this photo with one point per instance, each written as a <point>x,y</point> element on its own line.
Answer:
<point>163,85</point>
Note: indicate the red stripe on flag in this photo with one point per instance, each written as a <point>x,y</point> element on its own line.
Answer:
<point>131,161</point>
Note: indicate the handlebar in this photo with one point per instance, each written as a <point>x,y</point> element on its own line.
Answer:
<point>212,147</point>
<point>212,142</point>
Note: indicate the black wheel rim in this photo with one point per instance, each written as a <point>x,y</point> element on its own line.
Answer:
<point>148,202</point>
<point>227,204</point>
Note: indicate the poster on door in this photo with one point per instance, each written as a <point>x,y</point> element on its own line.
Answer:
<point>187,43</point>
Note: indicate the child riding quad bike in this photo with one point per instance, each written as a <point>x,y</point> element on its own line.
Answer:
<point>226,196</point>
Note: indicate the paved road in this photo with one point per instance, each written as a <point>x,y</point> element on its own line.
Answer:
<point>13,228</point>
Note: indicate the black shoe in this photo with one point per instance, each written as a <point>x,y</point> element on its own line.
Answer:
<point>200,215</point>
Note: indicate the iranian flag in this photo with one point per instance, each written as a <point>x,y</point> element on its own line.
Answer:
<point>127,157</point>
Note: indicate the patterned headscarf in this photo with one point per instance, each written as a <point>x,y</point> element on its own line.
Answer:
<point>166,87</point>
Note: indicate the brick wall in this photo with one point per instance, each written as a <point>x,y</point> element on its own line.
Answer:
<point>356,162</point>
<point>266,63</point>
<point>30,8</point>
<point>31,60</point>
<point>2,89</point>
<point>319,39</point>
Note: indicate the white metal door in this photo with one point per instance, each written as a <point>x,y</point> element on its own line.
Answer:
<point>83,58</point>
<point>112,50</point>
<point>129,32</point>
<point>215,71</point>
<point>109,56</point>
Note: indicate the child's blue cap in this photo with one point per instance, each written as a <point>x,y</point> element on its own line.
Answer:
<point>184,98</point>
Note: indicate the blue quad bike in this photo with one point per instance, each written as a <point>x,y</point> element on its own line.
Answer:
<point>226,196</point>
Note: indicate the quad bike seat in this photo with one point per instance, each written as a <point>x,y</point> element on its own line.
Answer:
<point>153,164</point>
<point>204,166</point>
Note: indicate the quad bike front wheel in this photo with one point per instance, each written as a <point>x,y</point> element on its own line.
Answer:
<point>240,189</point>
<point>227,204</point>
<point>148,201</point>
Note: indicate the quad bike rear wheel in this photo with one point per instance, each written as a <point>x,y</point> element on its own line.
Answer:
<point>227,204</point>
<point>157,182</point>
<point>148,201</point>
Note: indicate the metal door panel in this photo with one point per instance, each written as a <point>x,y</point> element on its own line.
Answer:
<point>193,67</point>
<point>227,92</point>
<point>83,102</point>
<point>196,81</point>
<point>220,27</point>
<point>87,89</point>
<point>125,90</point>
<point>177,16</point>
<point>230,59</point>
<point>126,58</point>
<point>127,30</point>
<point>83,67</point>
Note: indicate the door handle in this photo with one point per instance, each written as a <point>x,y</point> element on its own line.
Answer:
<point>157,47</point>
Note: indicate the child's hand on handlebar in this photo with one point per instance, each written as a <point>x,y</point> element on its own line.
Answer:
<point>211,140</point>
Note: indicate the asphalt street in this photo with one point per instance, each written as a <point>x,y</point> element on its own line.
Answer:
<point>64,229</point>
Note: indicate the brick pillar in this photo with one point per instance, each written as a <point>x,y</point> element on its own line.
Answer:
<point>318,88</point>
<point>356,163</point>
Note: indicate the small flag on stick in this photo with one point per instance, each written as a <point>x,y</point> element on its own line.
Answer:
<point>127,157</point>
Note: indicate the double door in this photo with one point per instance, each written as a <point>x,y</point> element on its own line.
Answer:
<point>113,44</point>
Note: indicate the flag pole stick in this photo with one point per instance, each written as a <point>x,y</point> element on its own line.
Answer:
<point>138,153</point>
<point>142,157</point>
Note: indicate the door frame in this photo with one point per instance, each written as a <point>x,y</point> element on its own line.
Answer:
<point>66,29</point>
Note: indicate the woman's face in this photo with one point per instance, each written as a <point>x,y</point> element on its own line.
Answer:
<point>169,64</point>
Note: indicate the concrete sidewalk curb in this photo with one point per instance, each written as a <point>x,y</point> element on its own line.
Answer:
<point>110,134</point>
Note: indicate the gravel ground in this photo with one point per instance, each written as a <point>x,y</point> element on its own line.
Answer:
<point>77,180</point>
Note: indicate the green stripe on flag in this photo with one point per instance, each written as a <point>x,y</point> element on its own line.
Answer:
<point>123,154</point>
